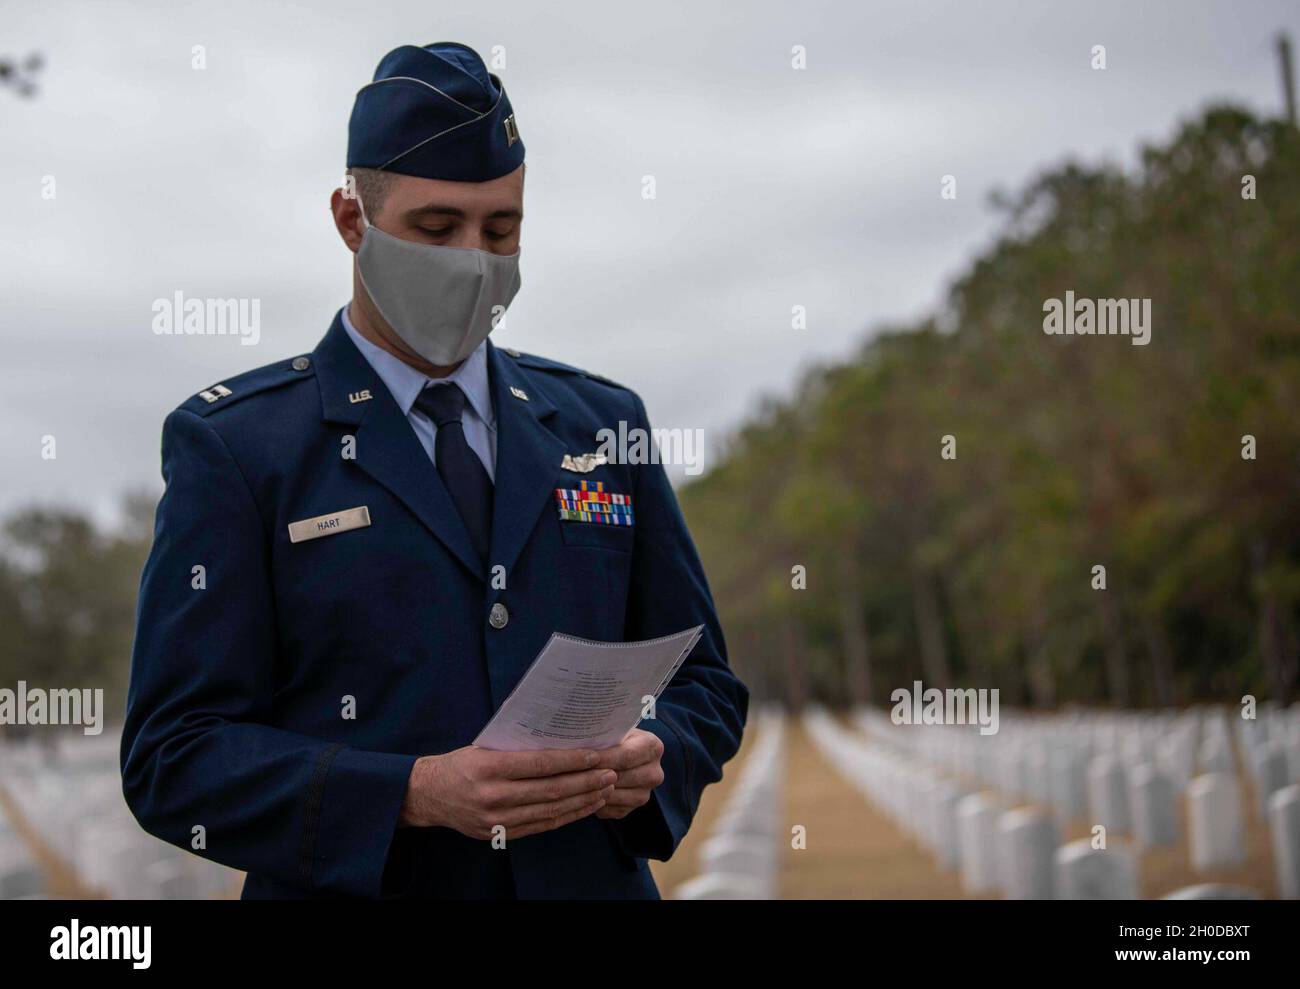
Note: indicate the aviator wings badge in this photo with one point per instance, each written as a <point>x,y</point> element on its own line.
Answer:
<point>583,463</point>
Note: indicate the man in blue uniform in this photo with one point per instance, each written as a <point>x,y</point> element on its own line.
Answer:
<point>360,550</point>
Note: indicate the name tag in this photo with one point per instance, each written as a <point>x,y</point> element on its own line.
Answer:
<point>328,525</point>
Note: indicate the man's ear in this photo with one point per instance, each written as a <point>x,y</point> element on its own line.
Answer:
<point>347,218</point>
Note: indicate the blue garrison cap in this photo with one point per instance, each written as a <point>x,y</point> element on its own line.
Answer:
<point>437,113</point>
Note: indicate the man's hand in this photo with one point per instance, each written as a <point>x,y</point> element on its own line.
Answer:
<point>636,760</point>
<point>474,790</point>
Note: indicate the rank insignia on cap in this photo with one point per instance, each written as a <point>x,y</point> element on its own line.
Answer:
<point>592,503</point>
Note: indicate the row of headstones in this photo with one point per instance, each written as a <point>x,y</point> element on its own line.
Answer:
<point>1045,759</point>
<point>72,796</point>
<point>1124,788</point>
<point>741,858</point>
<point>1016,851</point>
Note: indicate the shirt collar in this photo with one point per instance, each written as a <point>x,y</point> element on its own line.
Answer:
<point>405,382</point>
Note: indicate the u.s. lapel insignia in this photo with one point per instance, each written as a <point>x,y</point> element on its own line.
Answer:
<point>519,393</point>
<point>360,396</point>
<point>583,463</point>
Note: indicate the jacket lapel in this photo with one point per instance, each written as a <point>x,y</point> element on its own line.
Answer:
<point>386,446</point>
<point>528,457</point>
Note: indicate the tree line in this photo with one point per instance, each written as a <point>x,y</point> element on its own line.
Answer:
<point>976,502</point>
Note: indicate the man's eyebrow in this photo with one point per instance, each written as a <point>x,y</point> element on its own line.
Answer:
<point>423,211</point>
<point>419,211</point>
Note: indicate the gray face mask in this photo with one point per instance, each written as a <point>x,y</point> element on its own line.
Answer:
<point>442,301</point>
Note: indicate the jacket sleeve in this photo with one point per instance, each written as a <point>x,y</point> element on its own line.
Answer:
<point>202,767</point>
<point>700,715</point>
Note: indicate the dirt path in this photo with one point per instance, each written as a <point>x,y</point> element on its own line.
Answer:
<point>853,851</point>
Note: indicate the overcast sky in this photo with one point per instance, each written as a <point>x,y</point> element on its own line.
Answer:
<point>775,187</point>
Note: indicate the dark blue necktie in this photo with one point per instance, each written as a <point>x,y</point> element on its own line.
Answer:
<point>461,470</point>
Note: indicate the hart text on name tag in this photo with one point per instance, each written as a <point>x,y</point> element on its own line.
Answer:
<point>328,525</point>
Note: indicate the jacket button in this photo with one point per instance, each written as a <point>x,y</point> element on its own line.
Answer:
<point>301,363</point>
<point>499,616</point>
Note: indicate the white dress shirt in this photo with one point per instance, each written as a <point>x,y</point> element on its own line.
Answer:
<point>405,384</point>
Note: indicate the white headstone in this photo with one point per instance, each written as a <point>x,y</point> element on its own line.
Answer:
<point>1068,779</point>
<point>976,820</point>
<point>1293,752</point>
<point>743,819</point>
<point>1216,756</point>
<point>720,886</point>
<point>1284,824</point>
<point>1155,807</point>
<point>1012,769</point>
<point>1027,840</point>
<point>1087,873</point>
<point>1214,821</point>
<point>1269,768</point>
<point>1039,774</point>
<point>1212,891</point>
<point>740,855</point>
<point>947,846</point>
<point>1108,795</point>
<point>1176,757</point>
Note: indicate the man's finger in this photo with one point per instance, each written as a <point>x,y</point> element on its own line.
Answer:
<point>647,776</point>
<point>546,762</point>
<point>636,750</point>
<point>631,799</point>
<point>532,813</point>
<point>522,793</point>
<point>550,824</point>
